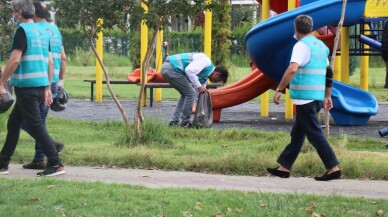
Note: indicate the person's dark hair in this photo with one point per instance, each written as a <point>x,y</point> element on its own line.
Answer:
<point>223,73</point>
<point>25,6</point>
<point>41,10</point>
<point>304,24</point>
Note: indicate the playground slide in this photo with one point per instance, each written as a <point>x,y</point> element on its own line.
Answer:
<point>242,91</point>
<point>270,43</point>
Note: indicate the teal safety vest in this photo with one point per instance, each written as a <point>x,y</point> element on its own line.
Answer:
<point>56,49</point>
<point>309,81</point>
<point>179,62</point>
<point>32,70</point>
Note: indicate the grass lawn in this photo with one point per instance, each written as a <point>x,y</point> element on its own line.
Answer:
<point>50,197</point>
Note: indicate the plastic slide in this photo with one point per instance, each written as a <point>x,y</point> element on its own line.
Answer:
<point>255,83</point>
<point>270,43</point>
<point>242,91</point>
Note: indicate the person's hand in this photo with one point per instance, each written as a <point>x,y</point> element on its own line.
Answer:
<point>327,103</point>
<point>276,98</point>
<point>60,83</point>
<point>48,97</point>
<point>202,89</point>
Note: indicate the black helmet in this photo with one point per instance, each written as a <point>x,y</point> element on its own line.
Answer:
<point>60,101</point>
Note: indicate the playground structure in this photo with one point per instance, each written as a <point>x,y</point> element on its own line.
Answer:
<point>270,43</point>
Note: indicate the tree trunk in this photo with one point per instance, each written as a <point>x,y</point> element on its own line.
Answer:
<point>122,111</point>
<point>139,119</point>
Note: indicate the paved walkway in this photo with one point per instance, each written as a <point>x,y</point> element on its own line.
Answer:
<point>176,179</point>
<point>243,115</point>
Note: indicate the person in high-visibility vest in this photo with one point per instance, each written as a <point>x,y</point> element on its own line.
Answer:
<point>310,88</point>
<point>188,72</point>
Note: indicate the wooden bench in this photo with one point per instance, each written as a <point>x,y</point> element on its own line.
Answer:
<point>151,86</point>
<point>92,82</point>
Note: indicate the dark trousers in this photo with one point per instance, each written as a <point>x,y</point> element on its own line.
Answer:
<point>27,109</point>
<point>39,153</point>
<point>307,124</point>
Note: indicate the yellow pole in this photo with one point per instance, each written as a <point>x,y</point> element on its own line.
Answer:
<point>289,113</point>
<point>337,68</point>
<point>143,51</point>
<point>159,62</point>
<point>208,31</point>
<point>100,52</point>
<point>364,67</point>
<point>345,55</point>
<point>264,98</point>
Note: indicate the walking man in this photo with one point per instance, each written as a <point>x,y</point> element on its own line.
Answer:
<point>310,87</point>
<point>28,69</point>
<point>59,59</point>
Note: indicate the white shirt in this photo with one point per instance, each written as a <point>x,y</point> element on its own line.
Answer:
<point>200,61</point>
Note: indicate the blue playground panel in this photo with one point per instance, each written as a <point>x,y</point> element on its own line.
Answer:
<point>352,106</point>
<point>270,43</point>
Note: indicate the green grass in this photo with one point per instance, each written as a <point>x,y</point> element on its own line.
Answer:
<point>50,197</point>
<point>225,151</point>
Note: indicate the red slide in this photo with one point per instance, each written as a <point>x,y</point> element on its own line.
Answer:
<point>249,87</point>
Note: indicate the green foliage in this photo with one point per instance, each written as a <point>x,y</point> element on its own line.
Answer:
<point>243,16</point>
<point>220,32</point>
<point>182,42</point>
<point>238,49</point>
<point>155,136</point>
<point>6,30</point>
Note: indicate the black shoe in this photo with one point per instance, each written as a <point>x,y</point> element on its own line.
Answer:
<point>173,124</point>
<point>53,171</point>
<point>4,171</point>
<point>278,173</point>
<point>186,125</point>
<point>327,177</point>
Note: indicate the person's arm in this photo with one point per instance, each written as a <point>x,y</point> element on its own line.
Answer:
<point>62,70</point>
<point>328,103</point>
<point>287,77</point>
<point>19,45</point>
<point>10,68</point>
<point>300,57</point>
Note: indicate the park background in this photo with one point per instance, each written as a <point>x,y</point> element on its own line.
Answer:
<point>229,151</point>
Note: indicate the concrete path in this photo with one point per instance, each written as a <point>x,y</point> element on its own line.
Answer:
<point>176,179</point>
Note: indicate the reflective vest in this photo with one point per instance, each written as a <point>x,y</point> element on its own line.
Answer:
<point>179,62</point>
<point>32,70</point>
<point>309,81</point>
<point>55,38</point>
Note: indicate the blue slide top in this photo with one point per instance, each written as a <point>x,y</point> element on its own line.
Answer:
<point>270,44</point>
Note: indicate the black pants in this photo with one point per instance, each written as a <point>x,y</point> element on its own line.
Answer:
<point>307,124</point>
<point>27,109</point>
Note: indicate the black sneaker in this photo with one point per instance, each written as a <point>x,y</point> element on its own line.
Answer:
<point>173,124</point>
<point>4,171</point>
<point>53,171</point>
<point>59,146</point>
<point>186,125</point>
